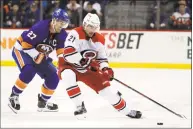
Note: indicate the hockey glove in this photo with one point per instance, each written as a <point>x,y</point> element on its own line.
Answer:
<point>108,73</point>
<point>38,59</point>
<point>92,64</point>
<point>84,62</point>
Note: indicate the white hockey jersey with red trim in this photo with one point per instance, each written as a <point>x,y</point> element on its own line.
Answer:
<point>77,43</point>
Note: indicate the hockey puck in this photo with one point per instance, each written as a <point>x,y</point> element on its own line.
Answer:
<point>159,123</point>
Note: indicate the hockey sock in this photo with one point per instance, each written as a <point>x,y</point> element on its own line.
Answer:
<point>115,100</point>
<point>27,74</point>
<point>49,86</point>
<point>46,93</point>
<point>72,87</point>
<point>75,95</point>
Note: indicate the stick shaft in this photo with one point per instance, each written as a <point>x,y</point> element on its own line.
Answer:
<point>148,97</point>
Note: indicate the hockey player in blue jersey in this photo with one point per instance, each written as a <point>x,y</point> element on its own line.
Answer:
<point>31,54</point>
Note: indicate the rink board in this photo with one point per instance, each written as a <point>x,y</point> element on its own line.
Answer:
<point>128,49</point>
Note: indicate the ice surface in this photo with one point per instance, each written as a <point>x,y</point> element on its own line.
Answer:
<point>171,88</point>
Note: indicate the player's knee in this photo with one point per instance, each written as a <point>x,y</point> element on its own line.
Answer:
<point>67,73</point>
<point>27,73</point>
<point>108,94</point>
<point>69,77</point>
<point>104,91</point>
<point>52,81</point>
<point>55,78</point>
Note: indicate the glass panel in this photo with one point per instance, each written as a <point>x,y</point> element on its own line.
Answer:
<point>113,14</point>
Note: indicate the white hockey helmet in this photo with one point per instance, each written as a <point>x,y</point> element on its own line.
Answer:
<point>92,20</point>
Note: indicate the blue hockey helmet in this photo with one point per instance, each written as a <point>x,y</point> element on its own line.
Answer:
<point>60,14</point>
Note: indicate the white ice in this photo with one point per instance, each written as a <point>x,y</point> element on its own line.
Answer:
<point>172,88</point>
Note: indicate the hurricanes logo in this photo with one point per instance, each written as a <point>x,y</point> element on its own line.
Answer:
<point>91,54</point>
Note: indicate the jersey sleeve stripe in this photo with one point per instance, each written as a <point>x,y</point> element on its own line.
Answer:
<point>103,62</point>
<point>69,50</point>
<point>20,39</point>
<point>102,59</point>
<point>26,45</point>
<point>70,54</point>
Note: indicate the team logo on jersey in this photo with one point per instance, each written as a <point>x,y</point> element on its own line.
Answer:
<point>44,48</point>
<point>91,54</point>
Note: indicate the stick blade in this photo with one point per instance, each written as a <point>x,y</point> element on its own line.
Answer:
<point>182,116</point>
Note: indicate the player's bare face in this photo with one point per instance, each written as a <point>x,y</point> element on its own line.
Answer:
<point>90,30</point>
<point>59,25</point>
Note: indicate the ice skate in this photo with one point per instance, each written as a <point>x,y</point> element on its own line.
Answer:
<point>14,103</point>
<point>81,111</point>
<point>44,106</point>
<point>134,114</point>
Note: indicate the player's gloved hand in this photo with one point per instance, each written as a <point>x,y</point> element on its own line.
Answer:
<point>92,64</point>
<point>61,62</point>
<point>108,73</point>
<point>38,59</point>
<point>84,62</point>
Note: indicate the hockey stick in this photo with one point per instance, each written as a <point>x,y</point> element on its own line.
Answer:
<point>181,116</point>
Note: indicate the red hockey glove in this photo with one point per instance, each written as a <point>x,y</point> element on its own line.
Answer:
<point>108,73</point>
<point>61,62</point>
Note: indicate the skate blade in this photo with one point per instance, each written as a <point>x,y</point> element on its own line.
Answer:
<point>14,110</point>
<point>81,117</point>
<point>46,110</point>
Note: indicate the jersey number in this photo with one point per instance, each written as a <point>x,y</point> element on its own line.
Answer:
<point>31,35</point>
<point>72,38</point>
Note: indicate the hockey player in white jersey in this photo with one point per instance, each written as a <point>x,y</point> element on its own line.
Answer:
<point>85,60</point>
